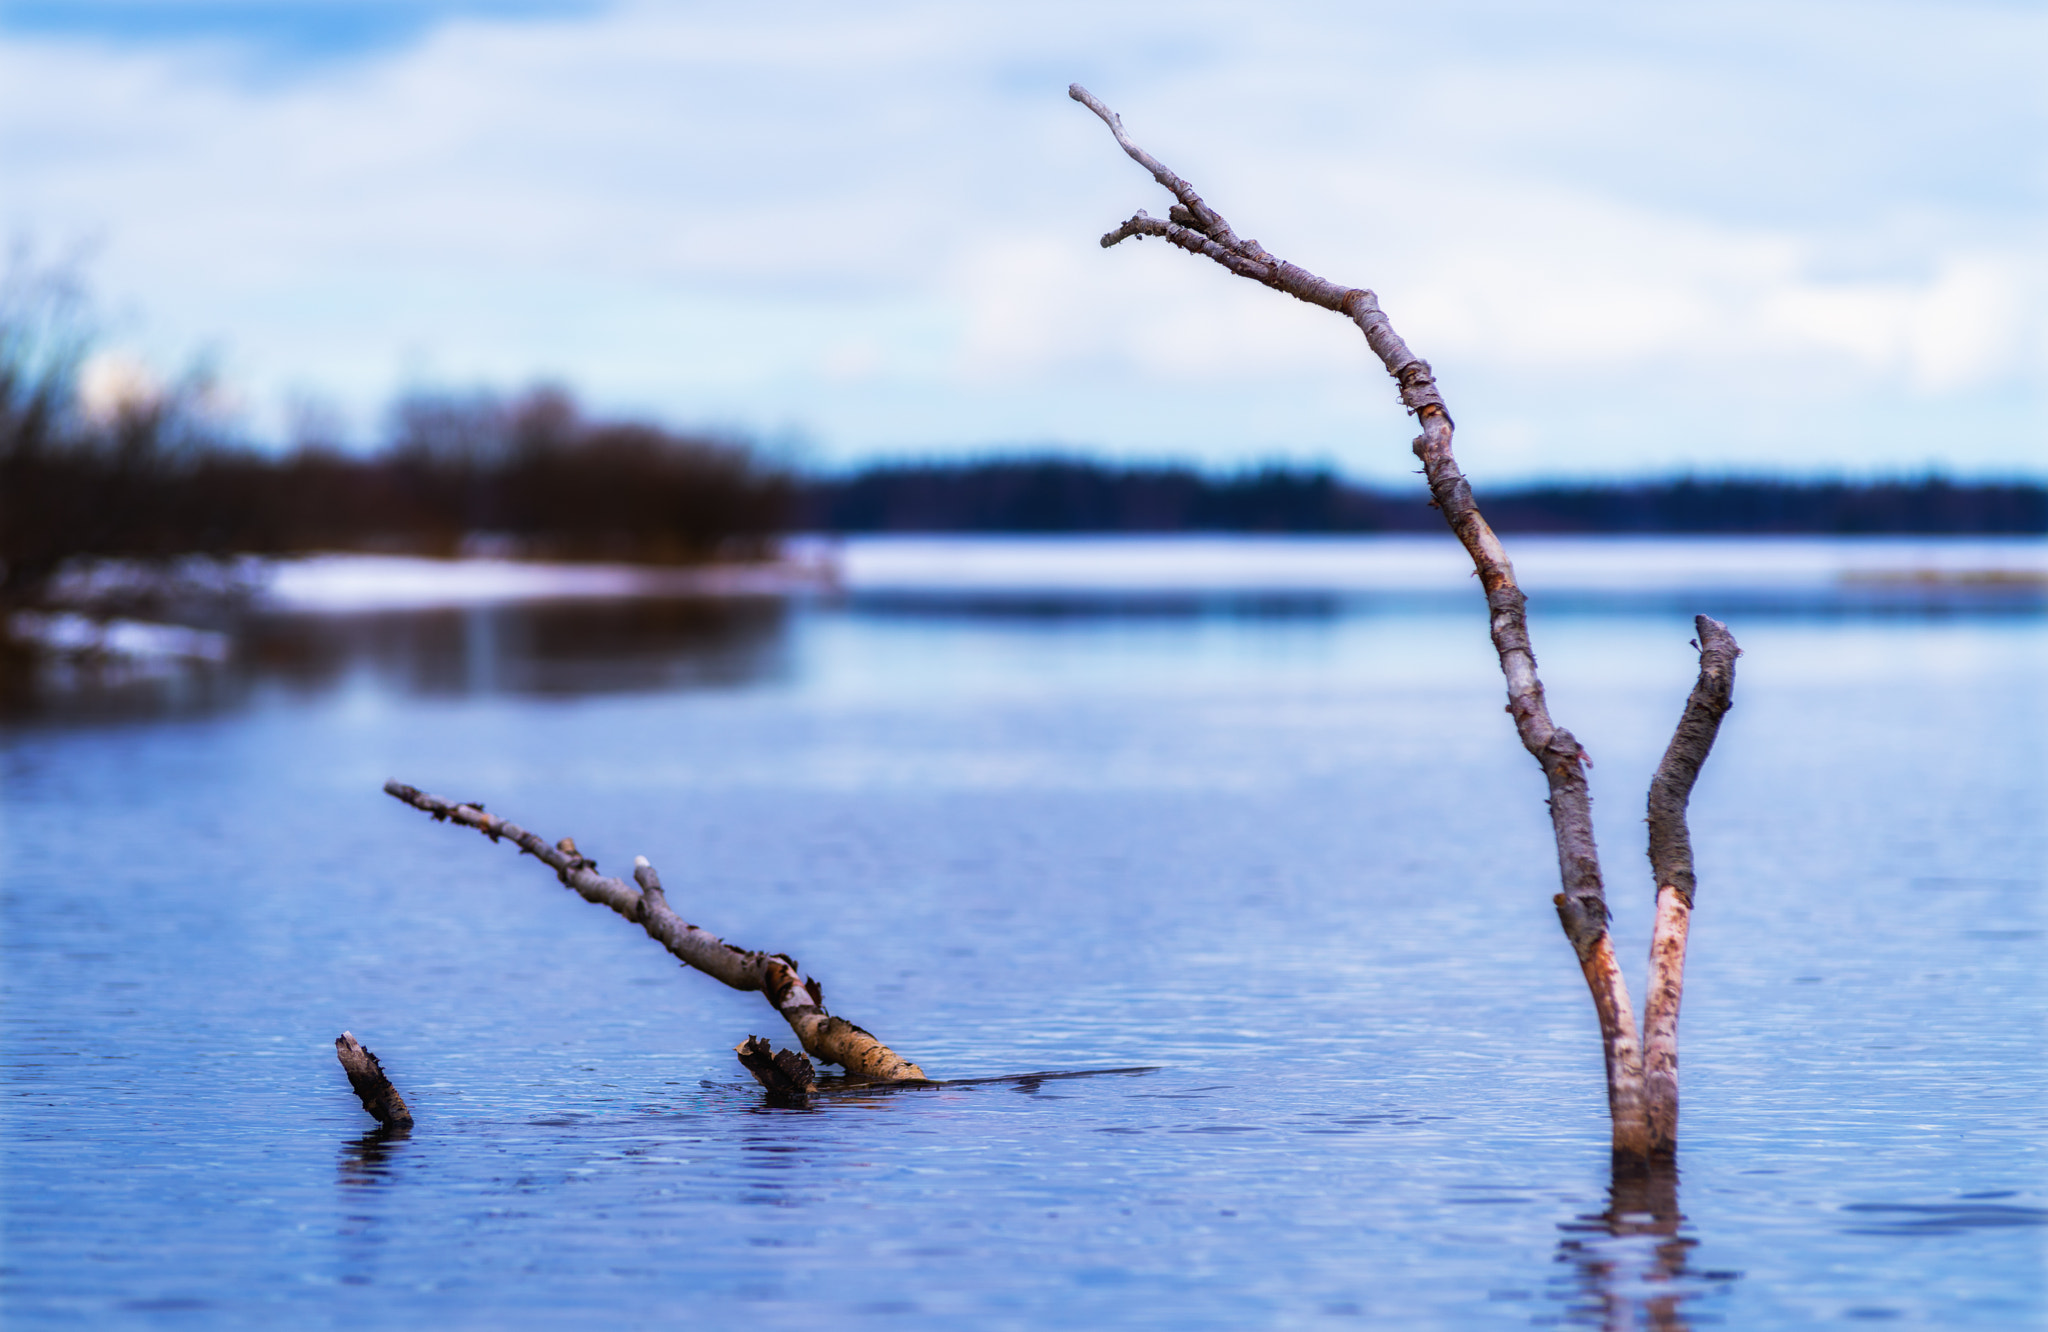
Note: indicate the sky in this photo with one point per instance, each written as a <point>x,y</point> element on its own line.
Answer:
<point>1633,239</point>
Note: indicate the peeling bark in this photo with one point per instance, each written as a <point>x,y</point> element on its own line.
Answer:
<point>375,1091</point>
<point>1671,864</point>
<point>786,1075</point>
<point>1199,229</point>
<point>799,998</point>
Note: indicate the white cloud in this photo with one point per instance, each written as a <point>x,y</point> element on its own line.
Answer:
<point>880,226</point>
<point>1964,327</point>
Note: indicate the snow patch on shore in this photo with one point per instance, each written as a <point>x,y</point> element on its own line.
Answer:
<point>354,583</point>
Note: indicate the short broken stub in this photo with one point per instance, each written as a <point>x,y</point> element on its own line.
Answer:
<point>366,1075</point>
<point>785,1074</point>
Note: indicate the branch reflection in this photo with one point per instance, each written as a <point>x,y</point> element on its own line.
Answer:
<point>1632,1263</point>
<point>367,1161</point>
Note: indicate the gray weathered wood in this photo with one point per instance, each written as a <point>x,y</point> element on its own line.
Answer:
<point>1195,226</point>
<point>1671,867</point>
<point>799,998</point>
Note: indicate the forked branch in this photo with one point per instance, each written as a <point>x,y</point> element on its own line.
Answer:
<point>800,999</point>
<point>1199,229</point>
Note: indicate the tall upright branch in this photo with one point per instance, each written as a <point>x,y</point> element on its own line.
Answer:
<point>1671,866</point>
<point>1199,229</point>
<point>799,998</point>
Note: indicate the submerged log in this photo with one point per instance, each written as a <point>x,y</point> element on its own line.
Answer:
<point>1193,225</point>
<point>366,1075</point>
<point>798,998</point>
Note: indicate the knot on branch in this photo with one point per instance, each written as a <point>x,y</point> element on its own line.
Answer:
<point>1505,598</point>
<point>1418,388</point>
<point>786,985</point>
<point>577,860</point>
<point>1584,922</point>
<point>1561,755</point>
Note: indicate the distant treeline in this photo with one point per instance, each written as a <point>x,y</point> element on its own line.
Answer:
<point>153,478</point>
<point>152,483</point>
<point>1055,494</point>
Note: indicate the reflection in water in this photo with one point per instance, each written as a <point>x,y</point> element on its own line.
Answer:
<point>1174,840</point>
<point>530,648</point>
<point>366,1164</point>
<point>1632,1263</point>
<point>367,1161</point>
<point>538,648</point>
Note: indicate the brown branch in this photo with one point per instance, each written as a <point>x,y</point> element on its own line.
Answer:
<point>786,1075</point>
<point>1671,863</point>
<point>799,998</point>
<point>1582,906</point>
<point>375,1091</point>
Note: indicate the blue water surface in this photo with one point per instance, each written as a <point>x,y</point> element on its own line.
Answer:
<point>1290,855</point>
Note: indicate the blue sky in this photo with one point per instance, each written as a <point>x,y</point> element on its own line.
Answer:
<point>1632,238</point>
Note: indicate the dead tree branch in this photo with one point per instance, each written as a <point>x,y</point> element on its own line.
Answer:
<point>800,999</point>
<point>785,1075</point>
<point>1671,866</point>
<point>1199,229</point>
<point>366,1075</point>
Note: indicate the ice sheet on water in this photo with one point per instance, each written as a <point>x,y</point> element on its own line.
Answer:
<point>1084,565</point>
<point>1417,564</point>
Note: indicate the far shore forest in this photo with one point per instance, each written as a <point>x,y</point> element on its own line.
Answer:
<point>538,477</point>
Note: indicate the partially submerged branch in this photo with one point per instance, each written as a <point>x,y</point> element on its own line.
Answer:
<point>1199,229</point>
<point>1671,864</point>
<point>786,1075</point>
<point>800,999</point>
<point>366,1075</point>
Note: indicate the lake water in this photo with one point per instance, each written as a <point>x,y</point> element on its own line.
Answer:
<point>1268,831</point>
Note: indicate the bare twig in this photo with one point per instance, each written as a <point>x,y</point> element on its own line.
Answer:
<point>1582,907</point>
<point>366,1075</point>
<point>800,999</point>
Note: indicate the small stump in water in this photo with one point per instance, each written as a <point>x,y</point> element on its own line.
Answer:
<point>366,1075</point>
<point>786,1074</point>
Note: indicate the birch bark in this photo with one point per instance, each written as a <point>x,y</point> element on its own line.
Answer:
<point>1671,866</point>
<point>1193,225</point>
<point>799,998</point>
